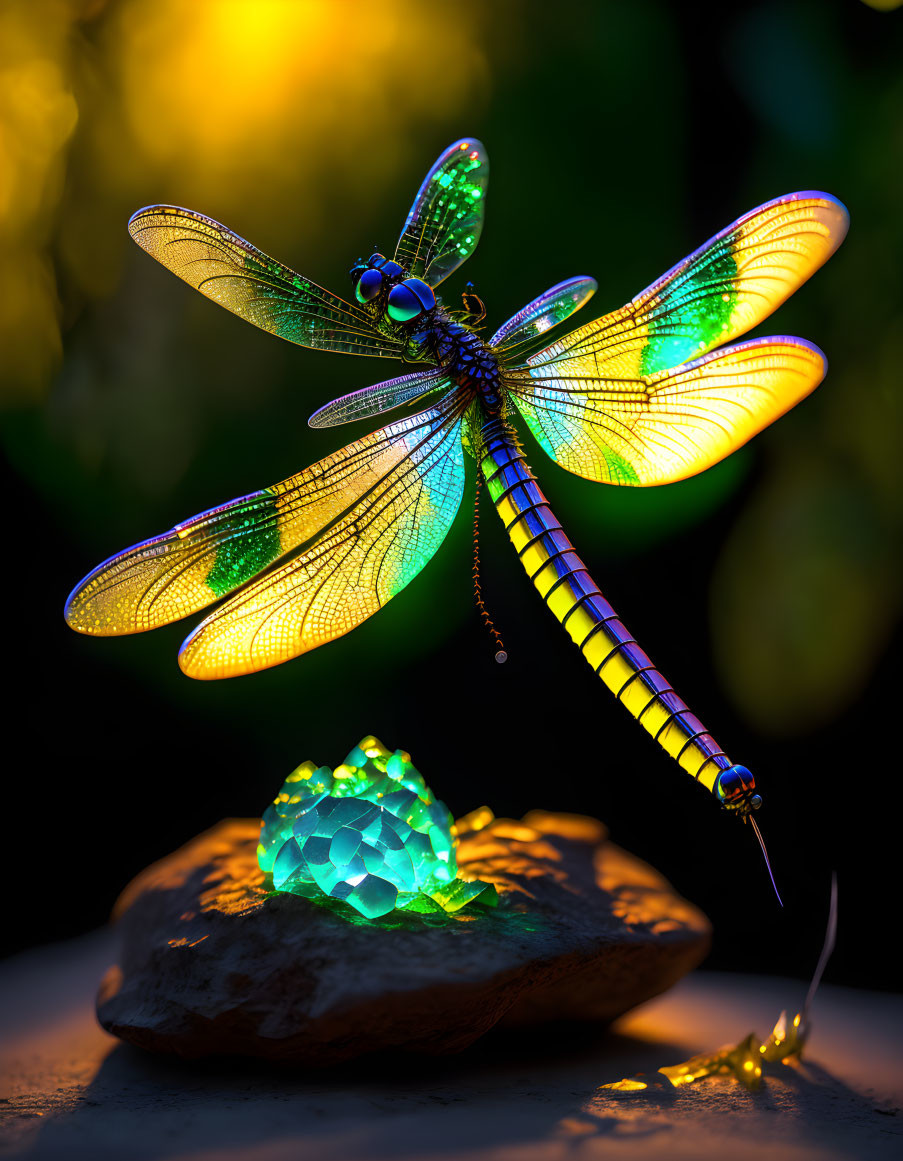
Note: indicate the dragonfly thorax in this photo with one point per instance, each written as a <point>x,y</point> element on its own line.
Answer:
<point>465,357</point>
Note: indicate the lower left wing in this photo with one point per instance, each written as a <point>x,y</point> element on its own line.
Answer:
<point>349,571</point>
<point>412,467</point>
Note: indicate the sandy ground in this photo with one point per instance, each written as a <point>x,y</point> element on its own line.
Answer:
<point>71,1092</point>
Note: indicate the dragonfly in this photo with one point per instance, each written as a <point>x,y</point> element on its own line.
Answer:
<point>645,395</point>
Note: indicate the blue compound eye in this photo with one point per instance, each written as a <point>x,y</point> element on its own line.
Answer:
<point>404,305</point>
<point>391,269</point>
<point>422,291</point>
<point>410,299</point>
<point>369,285</point>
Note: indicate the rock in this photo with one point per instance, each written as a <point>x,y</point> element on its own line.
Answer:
<point>212,962</point>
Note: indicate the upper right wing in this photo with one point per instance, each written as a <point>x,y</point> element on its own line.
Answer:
<point>244,280</point>
<point>722,290</point>
<point>543,313</point>
<point>443,225</point>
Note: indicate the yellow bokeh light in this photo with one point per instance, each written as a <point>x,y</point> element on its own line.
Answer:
<point>38,114</point>
<point>260,110</point>
<point>258,93</point>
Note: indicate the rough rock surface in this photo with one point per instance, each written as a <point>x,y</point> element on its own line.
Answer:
<point>212,962</point>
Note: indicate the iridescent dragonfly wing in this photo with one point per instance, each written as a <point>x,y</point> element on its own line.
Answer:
<point>232,272</point>
<point>672,424</point>
<point>352,568</point>
<point>209,556</point>
<point>444,224</point>
<point>600,400</point>
<point>717,294</point>
<point>523,329</point>
<point>380,397</point>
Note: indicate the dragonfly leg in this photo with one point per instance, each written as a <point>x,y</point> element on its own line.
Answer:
<point>473,304</point>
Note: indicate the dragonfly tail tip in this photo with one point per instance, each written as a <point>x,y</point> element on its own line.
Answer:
<point>758,834</point>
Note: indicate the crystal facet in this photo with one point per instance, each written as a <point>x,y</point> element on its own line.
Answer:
<point>370,833</point>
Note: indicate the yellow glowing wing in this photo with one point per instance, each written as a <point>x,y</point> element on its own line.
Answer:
<point>723,289</point>
<point>663,427</point>
<point>358,563</point>
<point>244,280</point>
<point>173,575</point>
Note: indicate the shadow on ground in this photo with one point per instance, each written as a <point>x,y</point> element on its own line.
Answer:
<point>73,1092</point>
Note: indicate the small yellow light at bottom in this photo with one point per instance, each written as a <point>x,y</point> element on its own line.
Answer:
<point>741,1062</point>
<point>628,1085</point>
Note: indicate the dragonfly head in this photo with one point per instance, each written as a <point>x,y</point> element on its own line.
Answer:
<point>383,282</point>
<point>736,790</point>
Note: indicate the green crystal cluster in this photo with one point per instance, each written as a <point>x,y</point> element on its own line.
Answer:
<point>369,833</point>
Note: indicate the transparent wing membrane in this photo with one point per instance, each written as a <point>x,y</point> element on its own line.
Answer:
<point>636,397</point>
<point>543,313</point>
<point>232,272</point>
<point>444,224</point>
<point>379,398</point>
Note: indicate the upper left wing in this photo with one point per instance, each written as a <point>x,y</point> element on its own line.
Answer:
<point>244,280</point>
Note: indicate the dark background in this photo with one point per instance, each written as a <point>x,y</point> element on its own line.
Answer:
<point>621,136</point>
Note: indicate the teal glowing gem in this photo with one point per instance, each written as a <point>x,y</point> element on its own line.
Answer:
<point>370,833</point>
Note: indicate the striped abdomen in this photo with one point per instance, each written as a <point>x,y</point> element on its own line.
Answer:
<point>573,596</point>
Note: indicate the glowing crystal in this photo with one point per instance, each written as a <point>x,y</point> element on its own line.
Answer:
<point>369,833</point>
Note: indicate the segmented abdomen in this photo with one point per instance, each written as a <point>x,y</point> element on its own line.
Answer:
<point>566,586</point>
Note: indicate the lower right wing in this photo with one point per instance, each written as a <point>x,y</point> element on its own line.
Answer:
<point>664,427</point>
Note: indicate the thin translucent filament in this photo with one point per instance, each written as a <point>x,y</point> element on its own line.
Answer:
<point>501,654</point>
